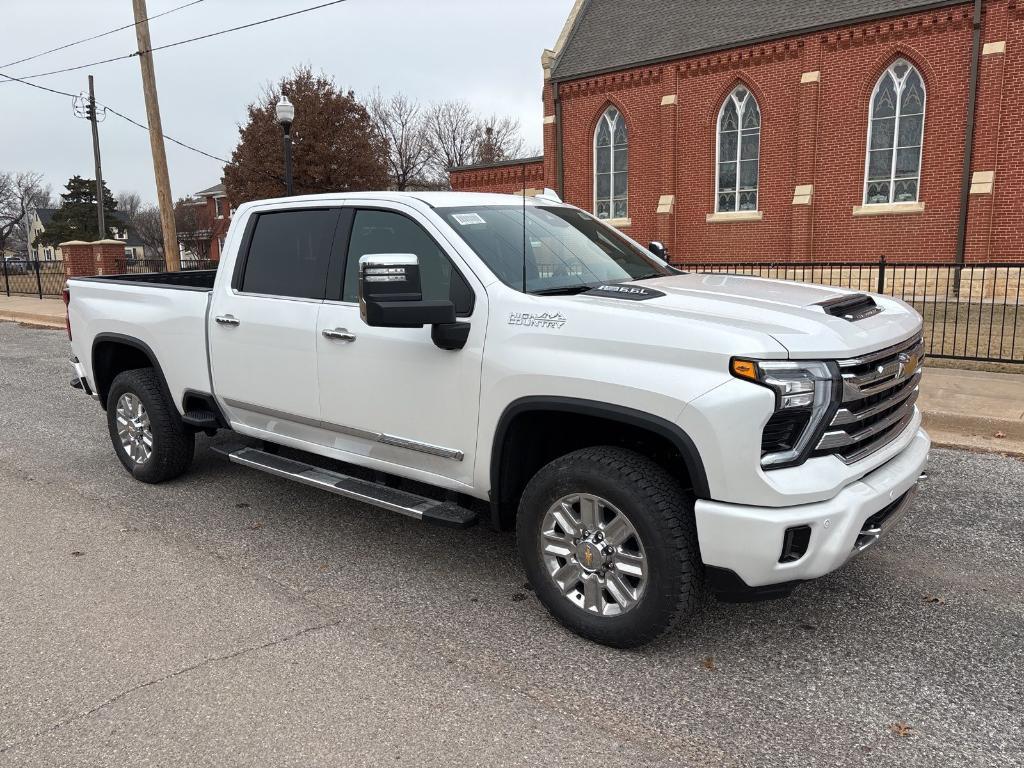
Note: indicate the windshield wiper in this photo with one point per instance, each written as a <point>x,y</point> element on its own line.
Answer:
<point>565,290</point>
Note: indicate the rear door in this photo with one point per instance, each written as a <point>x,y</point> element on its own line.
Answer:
<point>262,329</point>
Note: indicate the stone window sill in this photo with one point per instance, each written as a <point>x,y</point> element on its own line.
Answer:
<point>885,209</point>
<point>729,217</point>
<point>618,223</point>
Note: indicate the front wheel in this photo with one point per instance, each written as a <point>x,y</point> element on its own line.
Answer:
<point>609,543</point>
<point>145,429</point>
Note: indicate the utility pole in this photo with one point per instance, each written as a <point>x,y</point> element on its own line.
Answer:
<point>156,137</point>
<point>90,113</point>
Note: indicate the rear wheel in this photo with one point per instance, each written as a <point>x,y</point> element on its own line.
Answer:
<point>145,429</point>
<point>609,544</point>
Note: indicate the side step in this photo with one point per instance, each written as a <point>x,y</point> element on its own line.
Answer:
<point>201,419</point>
<point>392,499</point>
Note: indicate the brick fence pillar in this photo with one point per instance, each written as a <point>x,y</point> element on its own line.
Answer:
<point>109,257</point>
<point>102,257</point>
<point>78,258</point>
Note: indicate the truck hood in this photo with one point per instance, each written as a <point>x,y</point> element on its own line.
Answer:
<point>789,312</point>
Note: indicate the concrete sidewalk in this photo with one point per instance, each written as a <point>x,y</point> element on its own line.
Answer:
<point>32,310</point>
<point>965,409</point>
<point>974,409</point>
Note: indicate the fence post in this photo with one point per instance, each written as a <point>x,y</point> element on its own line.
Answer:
<point>7,281</point>
<point>39,282</point>
<point>881,274</point>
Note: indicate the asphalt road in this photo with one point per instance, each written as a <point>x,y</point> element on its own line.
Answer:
<point>231,618</point>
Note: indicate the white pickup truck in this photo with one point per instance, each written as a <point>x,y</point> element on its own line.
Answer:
<point>649,434</point>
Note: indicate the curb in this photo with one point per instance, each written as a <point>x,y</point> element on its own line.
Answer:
<point>32,318</point>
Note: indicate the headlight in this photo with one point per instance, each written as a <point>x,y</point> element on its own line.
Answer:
<point>804,394</point>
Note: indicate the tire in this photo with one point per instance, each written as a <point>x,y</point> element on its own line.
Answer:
<point>170,444</point>
<point>664,537</point>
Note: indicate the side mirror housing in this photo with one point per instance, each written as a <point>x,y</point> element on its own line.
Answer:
<point>658,249</point>
<point>390,293</point>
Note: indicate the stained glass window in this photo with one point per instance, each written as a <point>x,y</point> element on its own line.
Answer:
<point>611,164</point>
<point>895,133</point>
<point>739,146</point>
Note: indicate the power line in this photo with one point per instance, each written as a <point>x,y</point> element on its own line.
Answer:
<point>97,37</point>
<point>178,42</point>
<point>139,125</point>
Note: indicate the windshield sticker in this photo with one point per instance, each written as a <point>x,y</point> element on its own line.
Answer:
<point>530,320</point>
<point>468,218</point>
<point>631,292</point>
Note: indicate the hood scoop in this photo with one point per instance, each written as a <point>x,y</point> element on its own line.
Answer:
<point>852,308</point>
<point>628,292</point>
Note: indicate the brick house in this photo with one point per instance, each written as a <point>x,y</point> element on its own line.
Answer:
<point>788,130</point>
<point>214,217</point>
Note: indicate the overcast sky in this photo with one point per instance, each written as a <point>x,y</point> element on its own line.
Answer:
<point>484,51</point>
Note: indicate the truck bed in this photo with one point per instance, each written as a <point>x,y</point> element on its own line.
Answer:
<point>163,313</point>
<point>188,280</point>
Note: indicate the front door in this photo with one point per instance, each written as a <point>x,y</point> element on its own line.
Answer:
<point>263,325</point>
<point>390,393</point>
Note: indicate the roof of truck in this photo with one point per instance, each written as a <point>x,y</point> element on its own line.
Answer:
<point>433,199</point>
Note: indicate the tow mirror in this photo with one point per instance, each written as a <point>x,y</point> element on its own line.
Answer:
<point>390,294</point>
<point>658,249</point>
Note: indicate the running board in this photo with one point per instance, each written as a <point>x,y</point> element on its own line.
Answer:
<point>392,499</point>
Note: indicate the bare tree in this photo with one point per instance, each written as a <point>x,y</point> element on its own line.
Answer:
<point>19,194</point>
<point>458,136</point>
<point>500,139</point>
<point>195,229</point>
<point>128,206</point>
<point>146,225</point>
<point>402,123</point>
<point>452,128</point>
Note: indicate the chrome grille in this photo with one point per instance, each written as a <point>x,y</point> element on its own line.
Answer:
<point>879,392</point>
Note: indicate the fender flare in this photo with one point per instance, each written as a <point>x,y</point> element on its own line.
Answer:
<point>128,341</point>
<point>646,421</point>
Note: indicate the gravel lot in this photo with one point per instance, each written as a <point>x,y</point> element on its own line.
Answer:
<point>231,618</point>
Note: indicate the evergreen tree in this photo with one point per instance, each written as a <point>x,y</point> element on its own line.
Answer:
<point>76,217</point>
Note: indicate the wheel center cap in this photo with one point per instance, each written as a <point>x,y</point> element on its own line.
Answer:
<point>589,555</point>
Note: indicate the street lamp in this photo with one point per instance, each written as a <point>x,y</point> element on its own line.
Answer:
<point>285,116</point>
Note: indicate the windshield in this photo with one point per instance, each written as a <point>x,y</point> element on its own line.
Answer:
<point>565,250</point>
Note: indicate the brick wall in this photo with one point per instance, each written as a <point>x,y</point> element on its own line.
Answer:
<point>505,177</point>
<point>813,91</point>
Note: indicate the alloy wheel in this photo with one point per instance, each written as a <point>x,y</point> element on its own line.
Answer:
<point>593,554</point>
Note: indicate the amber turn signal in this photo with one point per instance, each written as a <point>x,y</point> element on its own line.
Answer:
<point>744,369</point>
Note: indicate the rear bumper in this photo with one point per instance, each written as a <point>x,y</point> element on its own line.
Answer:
<point>748,540</point>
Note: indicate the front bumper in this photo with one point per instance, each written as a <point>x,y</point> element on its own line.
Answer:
<point>748,540</point>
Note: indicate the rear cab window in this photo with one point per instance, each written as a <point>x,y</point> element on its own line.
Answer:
<point>289,253</point>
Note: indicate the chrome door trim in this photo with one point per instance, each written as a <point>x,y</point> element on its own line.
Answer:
<point>363,434</point>
<point>415,445</point>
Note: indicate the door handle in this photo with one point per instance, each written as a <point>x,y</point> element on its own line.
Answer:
<point>340,334</point>
<point>227,320</point>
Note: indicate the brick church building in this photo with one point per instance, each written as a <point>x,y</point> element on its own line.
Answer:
<point>788,130</point>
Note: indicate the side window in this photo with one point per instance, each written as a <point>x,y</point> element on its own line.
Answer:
<point>389,232</point>
<point>289,254</point>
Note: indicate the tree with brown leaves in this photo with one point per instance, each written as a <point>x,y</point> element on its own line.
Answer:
<point>334,145</point>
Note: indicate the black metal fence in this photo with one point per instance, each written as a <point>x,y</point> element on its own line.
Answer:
<point>47,278</point>
<point>971,312</point>
<point>32,278</point>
